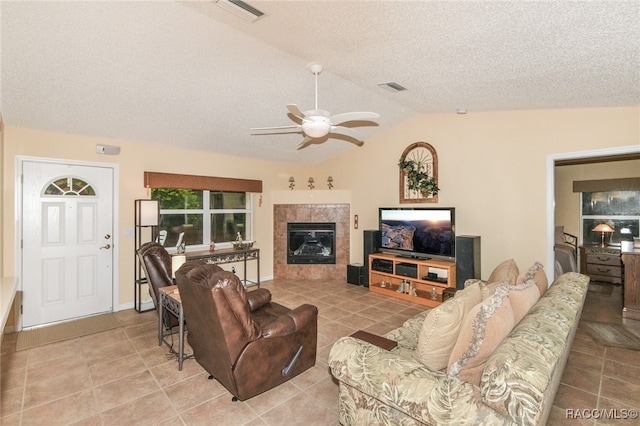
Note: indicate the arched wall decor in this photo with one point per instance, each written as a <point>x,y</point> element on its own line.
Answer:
<point>419,174</point>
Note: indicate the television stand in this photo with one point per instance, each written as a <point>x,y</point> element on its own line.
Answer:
<point>389,270</point>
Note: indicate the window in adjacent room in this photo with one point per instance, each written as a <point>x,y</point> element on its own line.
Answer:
<point>619,209</point>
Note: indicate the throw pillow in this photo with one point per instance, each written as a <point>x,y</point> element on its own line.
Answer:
<point>440,329</point>
<point>536,275</point>
<point>484,328</point>
<point>490,289</point>
<point>473,289</point>
<point>471,281</point>
<point>506,271</point>
<point>522,297</point>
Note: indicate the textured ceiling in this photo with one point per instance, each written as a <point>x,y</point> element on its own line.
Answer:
<point>191,74</point>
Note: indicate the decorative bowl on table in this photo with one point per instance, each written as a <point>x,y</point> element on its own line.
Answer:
<point>242,245</point>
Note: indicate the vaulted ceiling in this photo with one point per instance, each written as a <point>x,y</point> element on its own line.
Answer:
<point>194,75</point>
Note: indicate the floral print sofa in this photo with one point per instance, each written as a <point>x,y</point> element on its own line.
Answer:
<point>518,383</point>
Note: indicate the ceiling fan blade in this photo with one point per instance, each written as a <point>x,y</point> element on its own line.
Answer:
<point>294,128</point>
<point>353,116</point>
<point>305,142</point>
<point>294,110</point>
<point>350,133</point>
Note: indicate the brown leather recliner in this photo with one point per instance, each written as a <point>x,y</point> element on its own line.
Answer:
<point>156,263</point>
<point>245,341</point>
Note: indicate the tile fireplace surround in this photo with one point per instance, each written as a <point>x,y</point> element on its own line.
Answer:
<point>285,213</point>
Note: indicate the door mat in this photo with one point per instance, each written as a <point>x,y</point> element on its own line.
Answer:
<point>65,331</point>
<point>605,289</point>
<point>614,335</point>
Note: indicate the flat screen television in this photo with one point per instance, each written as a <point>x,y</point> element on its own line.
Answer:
<point>418,232</point>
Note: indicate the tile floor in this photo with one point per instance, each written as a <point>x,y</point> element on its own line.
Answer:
<point>597,376</point>
<point>122,376</point>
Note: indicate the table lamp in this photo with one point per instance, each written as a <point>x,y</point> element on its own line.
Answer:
<point>626,239</point>
<point>603,228</point>
<point>176,262</point>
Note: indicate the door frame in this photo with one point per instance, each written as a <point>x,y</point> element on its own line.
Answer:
<point>20,159</point>
<point>551,196</point>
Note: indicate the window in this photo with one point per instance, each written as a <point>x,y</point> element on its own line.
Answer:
<point>201,216</point>
<point>201,209</point>
<point>69,186</point>
<point>619,209</point>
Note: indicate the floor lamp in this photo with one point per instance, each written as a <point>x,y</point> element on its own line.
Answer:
<point>147,215</point>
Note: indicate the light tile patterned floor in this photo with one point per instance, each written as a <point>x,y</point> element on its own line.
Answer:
<point>122,376</point>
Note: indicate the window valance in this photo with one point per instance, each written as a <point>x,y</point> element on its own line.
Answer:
<point>211,183</point>
<point>603,185</point>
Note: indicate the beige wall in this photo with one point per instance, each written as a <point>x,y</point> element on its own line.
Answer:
<point>492,168</point>
<point>567,208</point>
<point>133,160</point>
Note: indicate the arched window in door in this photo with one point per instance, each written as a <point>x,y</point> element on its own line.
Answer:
<point>69,186</point>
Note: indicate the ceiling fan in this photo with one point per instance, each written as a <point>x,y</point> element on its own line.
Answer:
<point>317,123</point>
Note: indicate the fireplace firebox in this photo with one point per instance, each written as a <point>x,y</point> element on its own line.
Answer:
<point>311,243</point>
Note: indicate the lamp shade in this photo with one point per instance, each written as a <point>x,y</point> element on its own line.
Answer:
<point>176,262</point>
<point>603,227</point>
<point>147,212</point>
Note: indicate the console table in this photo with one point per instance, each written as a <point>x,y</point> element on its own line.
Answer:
<point>231,255</point>
<point>601,263</point>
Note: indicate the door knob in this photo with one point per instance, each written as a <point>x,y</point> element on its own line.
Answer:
<point>106,237</point>
<point>108,246</point>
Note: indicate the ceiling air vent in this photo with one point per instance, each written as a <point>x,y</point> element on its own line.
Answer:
<point>241,9</point>
<point>392,87</point>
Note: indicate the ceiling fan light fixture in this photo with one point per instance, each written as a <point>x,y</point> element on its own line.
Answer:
<point>317,127</point>
<point>241,9</point>
<point>318,123</point>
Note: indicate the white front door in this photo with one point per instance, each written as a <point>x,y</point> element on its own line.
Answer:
<point>67,229</point>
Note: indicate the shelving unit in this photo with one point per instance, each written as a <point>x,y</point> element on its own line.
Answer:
<point>384,268</point>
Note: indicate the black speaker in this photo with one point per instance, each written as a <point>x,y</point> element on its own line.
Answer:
<point>371,245</point>
<point>354,274</point>
<point>467,259</point>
